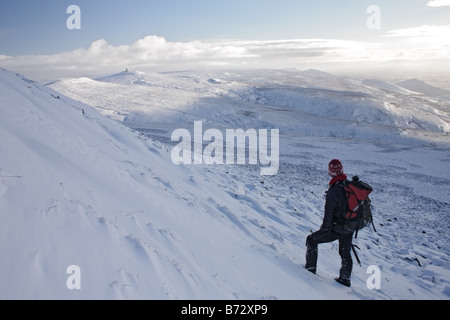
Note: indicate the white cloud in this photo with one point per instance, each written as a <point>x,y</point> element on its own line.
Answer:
<point>156,53</point>
<point>425,42</point>
<point>425,31</point>
<point>439,3</point>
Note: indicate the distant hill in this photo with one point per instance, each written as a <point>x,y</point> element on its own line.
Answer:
<point>125,77</point>
<point>422,87</point>
<point>380,84</point>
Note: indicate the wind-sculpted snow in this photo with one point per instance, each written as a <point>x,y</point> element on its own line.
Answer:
<point>80,189</point>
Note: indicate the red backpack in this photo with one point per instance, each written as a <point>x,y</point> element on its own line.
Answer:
<point>359,213</point>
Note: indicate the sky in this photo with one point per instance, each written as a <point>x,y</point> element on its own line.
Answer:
<point>103,36</point>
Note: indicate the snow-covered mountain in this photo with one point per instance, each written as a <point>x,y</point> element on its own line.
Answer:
<point>295,102</point>
<point>79,188</point>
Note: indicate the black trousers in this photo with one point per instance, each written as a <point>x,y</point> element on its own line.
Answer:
<point>345,246</point>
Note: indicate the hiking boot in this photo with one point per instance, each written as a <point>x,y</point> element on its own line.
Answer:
<point>343,281</point>
<point>311,269</point>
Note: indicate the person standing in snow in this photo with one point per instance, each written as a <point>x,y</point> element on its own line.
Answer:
<point>332,228</point>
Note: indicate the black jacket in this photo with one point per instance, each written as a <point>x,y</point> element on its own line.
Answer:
<point>335,208</point>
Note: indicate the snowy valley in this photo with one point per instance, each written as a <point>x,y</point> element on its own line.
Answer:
<point>87,180</point>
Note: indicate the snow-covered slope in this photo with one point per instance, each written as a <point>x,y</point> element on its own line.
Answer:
<point>77,188</point>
